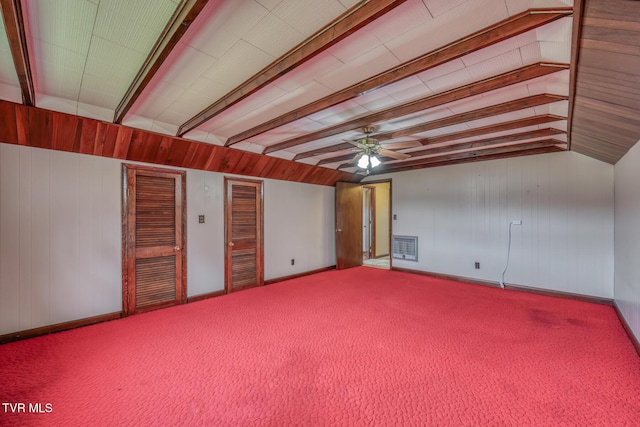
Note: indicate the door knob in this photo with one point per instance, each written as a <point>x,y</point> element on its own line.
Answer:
<point>339,229</point>
<point>230,243</point>
<point>177,248</point>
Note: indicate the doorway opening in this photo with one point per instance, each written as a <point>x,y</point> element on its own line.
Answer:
<point>376,224</point>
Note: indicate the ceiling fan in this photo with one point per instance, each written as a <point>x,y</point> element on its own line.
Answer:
<point>370,150</point>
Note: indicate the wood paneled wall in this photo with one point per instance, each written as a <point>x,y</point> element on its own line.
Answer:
<point>461,215</point>
<point>40,128</point>
<point>607,97</point>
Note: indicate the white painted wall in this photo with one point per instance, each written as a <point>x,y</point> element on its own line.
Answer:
<point>461,214</point>
<point>627,237</point>
<point>60,234</point>
<point>60,237</point>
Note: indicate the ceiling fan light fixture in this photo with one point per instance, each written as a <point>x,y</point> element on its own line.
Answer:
<point>374,161</point>
<point>363,162</point>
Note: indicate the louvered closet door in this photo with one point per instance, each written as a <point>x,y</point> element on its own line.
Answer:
<point>244,255</point>
<point>154,239</point>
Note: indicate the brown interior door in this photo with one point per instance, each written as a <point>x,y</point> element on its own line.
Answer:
<point>154,239</point>
<point>348,225</point>
<point>243,234</point>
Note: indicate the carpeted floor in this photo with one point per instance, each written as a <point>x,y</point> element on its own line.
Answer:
<point>358,347</point>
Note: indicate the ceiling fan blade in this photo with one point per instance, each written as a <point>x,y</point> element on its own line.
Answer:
<point>357,144</point>
<point>400,145</point>
<point>393,154</point>
<point>355,158</point>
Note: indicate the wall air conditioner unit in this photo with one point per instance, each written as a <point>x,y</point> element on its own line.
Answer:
<point>405,247</point>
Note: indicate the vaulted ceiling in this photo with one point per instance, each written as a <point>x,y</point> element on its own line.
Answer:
<point>442,81</point>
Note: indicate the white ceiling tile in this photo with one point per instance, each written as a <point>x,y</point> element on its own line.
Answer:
<point>55,103</point>
<point>369,64</point>
<point>441,70</point>
<point>269,4</point>
<point>403,18</point>
<point>303,74</point>
<point>133,24</point>
<point>494,66</point>
<point>408,93</point>
<point>501,48</point>
<point>164,128</point>
<point>239,63</point>
<point>531,53</point>
<point>308,16</point>
<point>556,31</point>
<point>438,7</point>
<point>95,112</point>
<point>349,3</point>
<point>221,24</point>
<point>555,52</point>
<point>358,43</point>
<point>89,94</point>
<point>375,100</point>
<point>282,154</point>
<point>58,81</point>
<point>449,81</point>
<point>188,67</point>
<point>66,23</point>
<point>138,122</point>
<point>274,36</point>
<point>469,17</point>
<point>10,93</point>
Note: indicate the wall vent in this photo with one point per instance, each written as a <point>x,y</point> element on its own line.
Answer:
<point>405,247</point>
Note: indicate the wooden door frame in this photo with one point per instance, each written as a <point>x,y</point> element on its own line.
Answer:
<point>372,220</point>
<point>390,181</point>
<point>127,245</point>
<point>227,262</point>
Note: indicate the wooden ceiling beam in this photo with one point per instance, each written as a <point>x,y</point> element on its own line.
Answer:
<point>576,36</point>
<point>509,78</point>
<point>14,26</point>
<point>467,155</point>
<point>346,24</point>
<point>483,158</point>
<point>498,127</point>
<point>184,15</point>
<point>510,27</point>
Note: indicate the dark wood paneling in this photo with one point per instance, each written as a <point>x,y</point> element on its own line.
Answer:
<point>346,24</point>
<point>606,105</point>
<point>488,36</point>
<point>36,127</point>
<point>503,80</point>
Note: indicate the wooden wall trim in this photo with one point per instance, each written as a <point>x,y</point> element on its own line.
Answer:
<point>17,38</point>
<point>36,127</point>
<point>519,288</point>
<point>627,328</point>
<point>297,275</point>
<point>578,12</point>
<point>208,295</point>
<point>58,327</point>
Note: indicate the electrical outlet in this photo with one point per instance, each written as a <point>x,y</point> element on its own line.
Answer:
<point>477,265</point>
<point>201,219</point>
<point>293,261</point>
<point>395,216</point>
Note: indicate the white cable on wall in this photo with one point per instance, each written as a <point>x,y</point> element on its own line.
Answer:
<point>518,222</point>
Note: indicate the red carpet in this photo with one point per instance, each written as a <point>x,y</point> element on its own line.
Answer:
<point>357,347</point>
